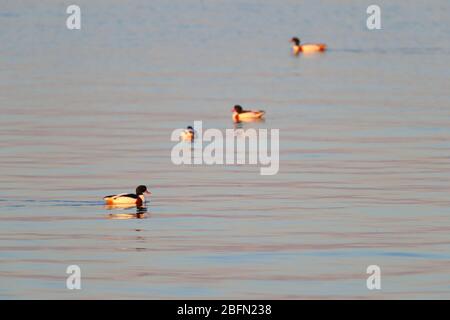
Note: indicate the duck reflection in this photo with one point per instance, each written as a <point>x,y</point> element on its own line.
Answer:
<point>140,213</point>
<point>242,124</point>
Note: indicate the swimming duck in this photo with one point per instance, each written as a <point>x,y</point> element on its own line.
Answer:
<point>306,48</point>
<point>188,134</point>
<point>128,198</point>
<point>246,115</point>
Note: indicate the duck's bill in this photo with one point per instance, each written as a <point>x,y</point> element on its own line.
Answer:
<point>147,192</point>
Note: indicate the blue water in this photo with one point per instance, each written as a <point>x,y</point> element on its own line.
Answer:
<point>364,150</point>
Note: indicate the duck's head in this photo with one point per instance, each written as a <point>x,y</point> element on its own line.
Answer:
<point>237,108</point>
<point>295,41</point>
<point>190,128</point>
<point>142,190</point>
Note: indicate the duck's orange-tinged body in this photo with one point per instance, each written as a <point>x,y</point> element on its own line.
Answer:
<point>310,48</point>
<point>240,115</point>
<point>124,199</point>
<point>188,134</point>
<point>137,199</point>
<point>298,48</point>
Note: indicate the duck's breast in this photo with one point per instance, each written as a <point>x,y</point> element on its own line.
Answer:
<point>187,135</point>
<point>296,49</point>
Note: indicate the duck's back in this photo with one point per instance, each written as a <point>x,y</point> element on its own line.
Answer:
<point>251,114</point>
<point>123,198</point>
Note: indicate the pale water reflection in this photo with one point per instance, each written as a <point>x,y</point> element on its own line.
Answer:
<point>364,150</point>
<point>123,212</point>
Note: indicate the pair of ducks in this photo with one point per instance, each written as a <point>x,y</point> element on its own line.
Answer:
<point>238,115</point>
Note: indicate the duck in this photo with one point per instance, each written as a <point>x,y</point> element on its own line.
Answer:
<point>240,114</point>
<point>306,48</point>
<point>187,134</point>
<point>137,199</point>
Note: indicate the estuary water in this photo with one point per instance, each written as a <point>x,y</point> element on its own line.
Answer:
<point>364,174</point>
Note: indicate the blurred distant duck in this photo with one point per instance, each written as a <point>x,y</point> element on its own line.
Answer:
<point>188,134</point>
<point>128,198</point>
<point>246,115</point>
<point>306,48</point>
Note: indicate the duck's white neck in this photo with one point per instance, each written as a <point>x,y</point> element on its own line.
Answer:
<point>142,197</point>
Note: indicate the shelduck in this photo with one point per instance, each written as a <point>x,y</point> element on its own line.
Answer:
<point>240,115</point>
<point>137,199</point>
<point>298,48</point>
<point>188,134</point>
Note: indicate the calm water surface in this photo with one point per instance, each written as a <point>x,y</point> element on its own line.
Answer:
<point>364,148</point>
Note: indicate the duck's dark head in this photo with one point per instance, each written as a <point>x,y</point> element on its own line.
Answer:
<point>237,108</point>
<point>190,128</point>
<point>295,41</point>
<point>141,190</point>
